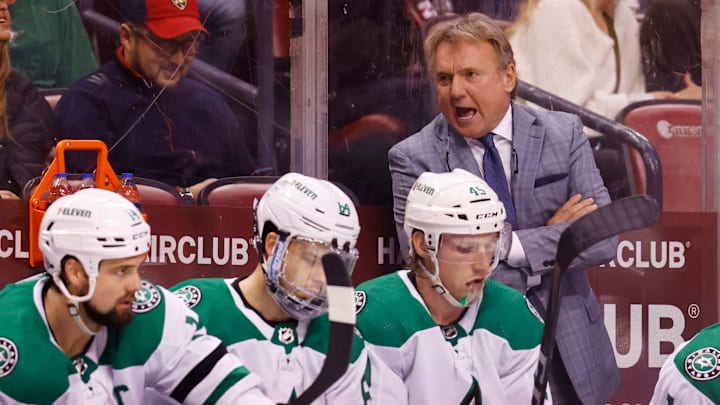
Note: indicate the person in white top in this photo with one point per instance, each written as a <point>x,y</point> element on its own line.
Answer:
<point>586,51</point>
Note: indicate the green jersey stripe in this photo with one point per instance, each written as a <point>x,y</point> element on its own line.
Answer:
<point>231,379</point>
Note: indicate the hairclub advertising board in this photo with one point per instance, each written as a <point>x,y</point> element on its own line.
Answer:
<point>660,289</point>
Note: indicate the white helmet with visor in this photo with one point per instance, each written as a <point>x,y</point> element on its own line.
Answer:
<point>456,208</point>
<point>311,217</point>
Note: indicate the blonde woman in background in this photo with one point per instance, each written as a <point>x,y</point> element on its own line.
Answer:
<point>586,51</point>
<point>27,129</point>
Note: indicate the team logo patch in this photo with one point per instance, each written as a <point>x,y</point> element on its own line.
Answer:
<point>703,364</point>
<point>181,4</point>
<point>146,298</point>
<point>360,300</point>
<point>8,356</point>
<point>190,295</point>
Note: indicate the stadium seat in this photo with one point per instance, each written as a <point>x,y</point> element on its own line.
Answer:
<point>237,191</point>
<point>368,125</point>
<point>674,127</point>
<point>152,192</point>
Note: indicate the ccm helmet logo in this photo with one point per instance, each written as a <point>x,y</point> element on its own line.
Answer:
<point>488,215</point>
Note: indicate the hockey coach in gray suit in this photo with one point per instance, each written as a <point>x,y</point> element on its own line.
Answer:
<point>541,165</point>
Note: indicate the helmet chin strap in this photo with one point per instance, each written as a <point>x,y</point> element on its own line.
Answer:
<point>438,286</point>
<point>73,301</point>
<point>74,310</point>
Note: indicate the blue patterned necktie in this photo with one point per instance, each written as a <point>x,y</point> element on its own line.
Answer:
<point>495,177</point>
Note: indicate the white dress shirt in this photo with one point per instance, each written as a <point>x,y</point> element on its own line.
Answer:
<point>503,142</point>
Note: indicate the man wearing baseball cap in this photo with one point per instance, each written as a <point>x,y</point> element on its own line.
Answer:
<point>156,122</point>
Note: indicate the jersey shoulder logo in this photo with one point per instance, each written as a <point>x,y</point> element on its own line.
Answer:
<point>146,298</point>
<point>703,364</point>
<point>8,356</point>
<point>360,301</point>
<point>189,294</point>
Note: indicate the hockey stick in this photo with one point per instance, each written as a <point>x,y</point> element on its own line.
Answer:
<point>620,216</point>
<point>341,312</point>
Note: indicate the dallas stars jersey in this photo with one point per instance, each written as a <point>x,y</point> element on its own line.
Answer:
<point>487,357</point>
<point>164,347</point>
<point>287,356</point>
<point>691,375</point>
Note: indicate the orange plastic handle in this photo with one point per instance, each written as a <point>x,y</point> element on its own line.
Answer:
<point>105,178</point>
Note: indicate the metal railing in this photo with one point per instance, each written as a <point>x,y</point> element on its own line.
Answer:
<point>607,127</point>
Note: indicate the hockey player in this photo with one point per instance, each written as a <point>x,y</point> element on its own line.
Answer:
<point>452,334</point>
<point>691,375</point>
<point>90,331</point>
<point>275,319</point>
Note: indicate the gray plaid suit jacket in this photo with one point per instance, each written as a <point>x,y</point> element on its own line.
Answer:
<point>552,161</point>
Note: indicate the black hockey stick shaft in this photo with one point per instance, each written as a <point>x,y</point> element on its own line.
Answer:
<point>620,216</point>
<point>341,312</point>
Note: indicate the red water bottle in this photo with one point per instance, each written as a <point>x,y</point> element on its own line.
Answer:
<point>88,181</point>
<point>60,187</point>
<point>128,189</point>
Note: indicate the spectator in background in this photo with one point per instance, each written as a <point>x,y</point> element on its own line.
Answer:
<point>226,20</point>
<point>156,122</point>
<point>586,51</point>
<point>50,44</point>
<point>545,159</point>
<point>670,45</point>
<point>27,129</point>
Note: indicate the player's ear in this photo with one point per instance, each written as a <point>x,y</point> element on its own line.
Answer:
<point>74,274</point>
<point>418,242</point>
<point>269,244</point>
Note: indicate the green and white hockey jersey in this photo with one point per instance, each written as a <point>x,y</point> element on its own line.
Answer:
<point>691,375</point>
<point>164,347</point>
<point>488,356</point>
<point>287,356</point>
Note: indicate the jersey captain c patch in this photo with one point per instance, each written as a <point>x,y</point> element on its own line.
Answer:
<point>146,298</point>
<point>8,356</point>
<point>190,295</point>
<point>703,364</point>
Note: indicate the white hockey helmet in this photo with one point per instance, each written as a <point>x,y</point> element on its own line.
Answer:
<point>90,225</point>
<point>456,203</point>
<point>312,213</point>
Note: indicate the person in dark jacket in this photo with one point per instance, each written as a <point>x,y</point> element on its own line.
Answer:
<point>670,45</point>
<point>27,130</point>
<point>156,122</point>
